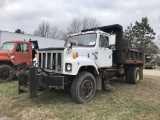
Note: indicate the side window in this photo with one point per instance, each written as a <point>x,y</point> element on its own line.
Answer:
<point>22,47</point>
<point>104,41</point>
<point>25,47</point>
<point>19,47</point>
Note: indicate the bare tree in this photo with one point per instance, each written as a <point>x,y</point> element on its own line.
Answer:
<point>153,48</point>
<point>56,33</point>
<point>89,23</point>
<point>79,24</point>
<point>43,30</point>
<point>74,26</point>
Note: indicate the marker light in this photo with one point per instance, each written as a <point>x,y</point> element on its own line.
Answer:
<point>74,55</point>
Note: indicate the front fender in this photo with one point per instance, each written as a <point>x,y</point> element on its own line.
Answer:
<point>6,59</point>
<point>77,64</point>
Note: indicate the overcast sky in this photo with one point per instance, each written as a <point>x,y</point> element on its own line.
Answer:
<point>28,14</point>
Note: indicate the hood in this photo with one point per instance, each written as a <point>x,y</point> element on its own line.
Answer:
<point>55,48</point>
<point>83,51</point>
<point>5,53</point>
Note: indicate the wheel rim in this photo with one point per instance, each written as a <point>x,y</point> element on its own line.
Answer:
<point>87,88</point>
<point>137,75</point>
<point>4,74</point>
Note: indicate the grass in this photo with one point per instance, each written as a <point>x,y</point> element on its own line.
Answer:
<point>126,102</point>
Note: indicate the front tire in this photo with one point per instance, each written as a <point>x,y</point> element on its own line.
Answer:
<point>6,73</point>
<point>83,87</point>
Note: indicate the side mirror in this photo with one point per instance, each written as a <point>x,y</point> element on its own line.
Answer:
<point>112,46</point>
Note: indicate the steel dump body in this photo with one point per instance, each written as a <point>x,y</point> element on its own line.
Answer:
<point>128,56</point>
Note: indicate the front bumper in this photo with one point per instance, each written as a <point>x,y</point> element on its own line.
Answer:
<point>149,65</point>
<point>31,82</point>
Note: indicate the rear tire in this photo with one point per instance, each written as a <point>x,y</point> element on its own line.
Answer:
<point>83,87</point>
<point>6,73</point>
<point>135,75</point>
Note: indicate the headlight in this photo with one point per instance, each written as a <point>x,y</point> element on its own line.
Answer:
<point>68,67</point>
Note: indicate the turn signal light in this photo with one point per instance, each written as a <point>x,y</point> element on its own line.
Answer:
<point>74,55</point>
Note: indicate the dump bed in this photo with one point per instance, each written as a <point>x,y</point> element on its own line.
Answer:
<point>128,56</point>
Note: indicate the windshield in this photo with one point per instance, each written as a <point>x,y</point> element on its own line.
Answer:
<point>7,46</point>
<point>82,40</point>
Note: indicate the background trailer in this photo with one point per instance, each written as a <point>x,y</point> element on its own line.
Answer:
<point>43,42</point>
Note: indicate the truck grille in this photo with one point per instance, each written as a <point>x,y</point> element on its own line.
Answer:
<point>51,60</point>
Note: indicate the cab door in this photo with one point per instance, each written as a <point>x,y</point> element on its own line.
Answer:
<point>27,53</point>
<point>104,57</point>
<point>23,54</point>
<point>19,56</point>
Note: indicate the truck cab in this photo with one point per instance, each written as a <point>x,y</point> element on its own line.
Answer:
<point>12,53</point>
<point>92,48</point>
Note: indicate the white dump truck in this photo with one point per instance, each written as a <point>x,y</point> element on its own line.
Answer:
<point>86,63</point>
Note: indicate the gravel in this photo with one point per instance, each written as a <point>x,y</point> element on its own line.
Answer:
<point>4,118</point>
<point>152,72</point>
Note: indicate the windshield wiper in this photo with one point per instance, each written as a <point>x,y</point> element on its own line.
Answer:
<point>80,45</point>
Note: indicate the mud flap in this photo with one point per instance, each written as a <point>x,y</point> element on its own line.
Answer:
<point>32,82</point>
<point>27,82</point>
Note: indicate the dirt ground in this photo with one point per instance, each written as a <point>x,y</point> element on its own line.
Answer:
<point>148,74</point>
<point>151,72</point>
<point>5,118</point>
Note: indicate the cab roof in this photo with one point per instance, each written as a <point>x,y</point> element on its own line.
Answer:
<point>17,41</point>
<point>114,29</point>
<point>88,32</point>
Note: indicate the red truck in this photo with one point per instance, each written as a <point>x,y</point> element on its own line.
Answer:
<point>12,53</point>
